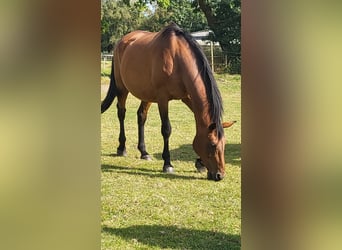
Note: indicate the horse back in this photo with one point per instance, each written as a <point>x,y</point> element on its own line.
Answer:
<point>151,66</point>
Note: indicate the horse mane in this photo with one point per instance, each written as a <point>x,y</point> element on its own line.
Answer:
<point>213,94</point>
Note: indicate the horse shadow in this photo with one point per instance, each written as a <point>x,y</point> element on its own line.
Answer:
<point>185,152</point>
<point>148,172</point>
<point>172,237</point>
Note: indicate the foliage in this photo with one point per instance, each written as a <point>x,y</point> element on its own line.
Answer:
<point>224,18</point>
<point>160,3</point>
<point>178,11</point>
<point>117,19</point>
<point>120,17</point>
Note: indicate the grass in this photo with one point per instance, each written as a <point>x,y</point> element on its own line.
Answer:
<point>105,68</point>
<point>143,208</point>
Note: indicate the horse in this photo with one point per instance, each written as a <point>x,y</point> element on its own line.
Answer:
<point>157,67</point>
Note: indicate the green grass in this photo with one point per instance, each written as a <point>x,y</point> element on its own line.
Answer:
<point>143,208</point>
<point>105,68</point>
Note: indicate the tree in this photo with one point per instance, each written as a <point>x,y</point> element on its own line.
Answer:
<point>120,17</point>
<point>178,11</point>
<point>224,18</point>
<point>117,19</point>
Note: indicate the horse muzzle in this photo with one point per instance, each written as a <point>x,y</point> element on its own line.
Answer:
<point>215,176</point>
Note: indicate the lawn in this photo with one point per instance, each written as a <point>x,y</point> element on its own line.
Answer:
<point>143,208</point>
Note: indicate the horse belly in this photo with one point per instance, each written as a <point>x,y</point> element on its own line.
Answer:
<point>136,77</point>
<point>151,86</point>
<point>172,89</point>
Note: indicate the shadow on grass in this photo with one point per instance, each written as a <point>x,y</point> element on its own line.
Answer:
<point>111,155</point>
<point>232,154</point>
<point>176,238</point>
<point>182,153</point>
<point>147,172</point>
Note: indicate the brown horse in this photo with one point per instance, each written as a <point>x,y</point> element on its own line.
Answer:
<point>163,66</point>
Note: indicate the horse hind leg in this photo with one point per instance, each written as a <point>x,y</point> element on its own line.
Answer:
<point>142,116</point>
<point>121,112</point>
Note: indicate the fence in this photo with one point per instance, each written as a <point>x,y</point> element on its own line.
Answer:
<point>215,56</point>
<point>106,59</point>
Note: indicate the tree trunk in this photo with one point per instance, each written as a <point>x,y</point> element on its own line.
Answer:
<point>211,19</point>
<point>204,6</point>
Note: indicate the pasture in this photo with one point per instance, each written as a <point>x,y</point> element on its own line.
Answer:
<point>143,208</point>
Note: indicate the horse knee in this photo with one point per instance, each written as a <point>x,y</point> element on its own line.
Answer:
<point>166,130</point>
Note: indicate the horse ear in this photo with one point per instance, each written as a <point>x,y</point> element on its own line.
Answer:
<point>212,127</point>
<point>227,124</point>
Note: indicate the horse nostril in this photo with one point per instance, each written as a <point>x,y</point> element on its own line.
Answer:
<point>218,176</point>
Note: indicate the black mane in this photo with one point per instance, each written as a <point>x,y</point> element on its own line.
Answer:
<point>213,94</point>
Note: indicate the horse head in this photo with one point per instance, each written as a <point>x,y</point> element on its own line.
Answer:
<point>210,147</point>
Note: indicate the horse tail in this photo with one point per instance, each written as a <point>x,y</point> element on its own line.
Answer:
<point>112,91</point>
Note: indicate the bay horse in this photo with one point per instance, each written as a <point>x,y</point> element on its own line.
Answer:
<point>157,67</point>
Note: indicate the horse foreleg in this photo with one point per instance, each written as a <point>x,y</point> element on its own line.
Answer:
<point>166,132</point>
<point>121,150</point>
<point>198,164</point>
<point>142,116</point>
<point>188,103</point>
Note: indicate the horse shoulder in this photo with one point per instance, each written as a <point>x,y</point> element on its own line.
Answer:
<point>167,62</point>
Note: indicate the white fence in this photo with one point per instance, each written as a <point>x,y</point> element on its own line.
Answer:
<point>213,53</point>
<point>105,60</point>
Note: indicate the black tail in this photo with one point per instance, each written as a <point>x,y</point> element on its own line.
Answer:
<point>112,91</point>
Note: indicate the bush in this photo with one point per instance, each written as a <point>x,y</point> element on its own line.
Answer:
<point>234,66</point>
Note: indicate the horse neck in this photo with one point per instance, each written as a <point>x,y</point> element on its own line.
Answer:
<point>200,105</point>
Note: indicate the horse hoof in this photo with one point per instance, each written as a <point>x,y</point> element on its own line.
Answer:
<point>146,157</point>
<point>121,152</point>
<point>168,169</point>
<point>200,166</point>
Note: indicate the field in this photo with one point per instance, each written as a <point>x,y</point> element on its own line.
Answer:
<point>143,208</point>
